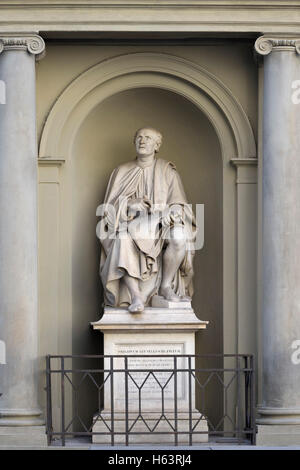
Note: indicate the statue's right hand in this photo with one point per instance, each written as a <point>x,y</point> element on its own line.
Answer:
<point>136,205</point>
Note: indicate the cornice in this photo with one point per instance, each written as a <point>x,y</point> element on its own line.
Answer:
<point>264,45</point>
<point>33,43</point>
<point>270,4</point>
<point>200,16</point>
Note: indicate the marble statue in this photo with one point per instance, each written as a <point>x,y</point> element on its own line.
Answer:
<point>146,226</point>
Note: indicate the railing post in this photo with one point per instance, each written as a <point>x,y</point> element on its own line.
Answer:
<point>49,425</point>
<point>175,404</point>
<point>62,390</point>
<point>112,418</point>
<point>126,402</point>
<point>190,402</point>
<point>252,401</point>
<point>247,377</point>
<point>238,411</point>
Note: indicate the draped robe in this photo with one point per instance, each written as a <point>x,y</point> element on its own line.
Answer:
<point>138,248</point>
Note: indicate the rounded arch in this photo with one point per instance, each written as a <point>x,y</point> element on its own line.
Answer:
<point>137,70</point>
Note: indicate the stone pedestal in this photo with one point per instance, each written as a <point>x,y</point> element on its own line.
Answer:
<point>155,332</point>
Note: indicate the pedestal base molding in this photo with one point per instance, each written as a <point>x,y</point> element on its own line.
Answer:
<point>274,416</point>
<point>278,435</point>
<point>19,417</point>
<point>22,436</point>
<point>165,425</point>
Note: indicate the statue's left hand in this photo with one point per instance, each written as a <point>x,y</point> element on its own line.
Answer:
<point>172,218</point>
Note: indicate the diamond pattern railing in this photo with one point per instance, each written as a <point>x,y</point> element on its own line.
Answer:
<point>132,392</point>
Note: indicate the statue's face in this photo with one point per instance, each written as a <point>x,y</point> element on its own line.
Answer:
<point>146,142</point>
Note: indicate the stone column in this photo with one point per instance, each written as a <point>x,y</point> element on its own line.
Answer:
<point>280,324</point>
<point>18,232</point>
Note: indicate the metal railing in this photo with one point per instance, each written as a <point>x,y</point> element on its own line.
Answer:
<point>176,398</point>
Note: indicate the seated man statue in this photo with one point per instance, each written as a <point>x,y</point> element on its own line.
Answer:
<point>146,227</point>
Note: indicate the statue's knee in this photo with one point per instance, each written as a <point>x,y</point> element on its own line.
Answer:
<point>179,244</point>
<point>178,238</point>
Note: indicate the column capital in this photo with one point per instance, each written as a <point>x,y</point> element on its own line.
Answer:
<point>265,44</point>
<point>33,43</point>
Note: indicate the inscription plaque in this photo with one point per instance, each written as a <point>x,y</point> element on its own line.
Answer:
<point>152,384</point>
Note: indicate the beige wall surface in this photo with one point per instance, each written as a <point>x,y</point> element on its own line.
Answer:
<point>233,63</point>
<point>70,290</point>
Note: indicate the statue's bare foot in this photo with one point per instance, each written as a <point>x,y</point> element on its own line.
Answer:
<point>169,294</point>
<point>137,305</point>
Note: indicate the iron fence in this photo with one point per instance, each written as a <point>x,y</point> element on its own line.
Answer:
<point>180,399</point>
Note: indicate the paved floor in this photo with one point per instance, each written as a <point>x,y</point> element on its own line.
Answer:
<point>85,444</point>
<point>200,448</point>
<point>142,448</point>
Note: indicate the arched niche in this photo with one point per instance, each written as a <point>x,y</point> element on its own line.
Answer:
<point>209,117</point>
<point>148,70</point>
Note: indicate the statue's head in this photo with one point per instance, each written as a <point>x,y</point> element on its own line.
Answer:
<point>147,141</point>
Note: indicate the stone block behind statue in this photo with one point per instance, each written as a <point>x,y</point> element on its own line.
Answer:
<point>147,230</point>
